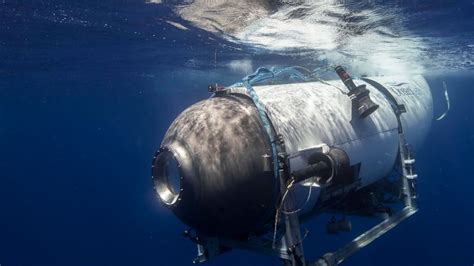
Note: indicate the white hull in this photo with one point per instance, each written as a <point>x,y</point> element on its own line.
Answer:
<point>313,114</point>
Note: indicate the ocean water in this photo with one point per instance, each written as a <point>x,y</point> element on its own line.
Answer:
<point>88,89</point>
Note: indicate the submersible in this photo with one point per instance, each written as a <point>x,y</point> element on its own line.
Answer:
<point>231,165</point>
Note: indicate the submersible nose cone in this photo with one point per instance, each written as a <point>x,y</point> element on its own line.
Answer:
<point>210,171</point>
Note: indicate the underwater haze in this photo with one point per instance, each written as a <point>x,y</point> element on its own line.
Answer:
<point>89,88</point>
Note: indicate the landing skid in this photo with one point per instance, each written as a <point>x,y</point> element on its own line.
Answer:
<point>364,239</point>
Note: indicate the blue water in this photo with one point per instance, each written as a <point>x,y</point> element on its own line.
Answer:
<point>88,89</point>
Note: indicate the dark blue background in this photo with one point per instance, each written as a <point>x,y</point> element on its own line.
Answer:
<point>87,91</point>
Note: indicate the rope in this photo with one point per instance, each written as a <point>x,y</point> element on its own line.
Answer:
<point>265,122</point>
<point>280,208</point>
<point>303,205</point>
<point>448,106</point>
<point>287,74</point>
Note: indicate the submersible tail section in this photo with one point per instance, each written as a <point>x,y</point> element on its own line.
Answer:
<point>228,166</point>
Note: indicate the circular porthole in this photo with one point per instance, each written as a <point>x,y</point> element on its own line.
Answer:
<point>167,177</point>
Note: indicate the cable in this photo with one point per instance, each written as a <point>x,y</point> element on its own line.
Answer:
<point>302,206</point>
<point>277,214</point>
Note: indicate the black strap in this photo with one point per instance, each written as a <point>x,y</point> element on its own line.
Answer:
<point>398,109</point>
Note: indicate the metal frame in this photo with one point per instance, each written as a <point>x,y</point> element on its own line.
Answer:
<point>408,193</point>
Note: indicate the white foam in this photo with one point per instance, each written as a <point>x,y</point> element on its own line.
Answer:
<point>366,46</point>
<point>177,25</point>
<point>242,66</point>
<point>366,39</point>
